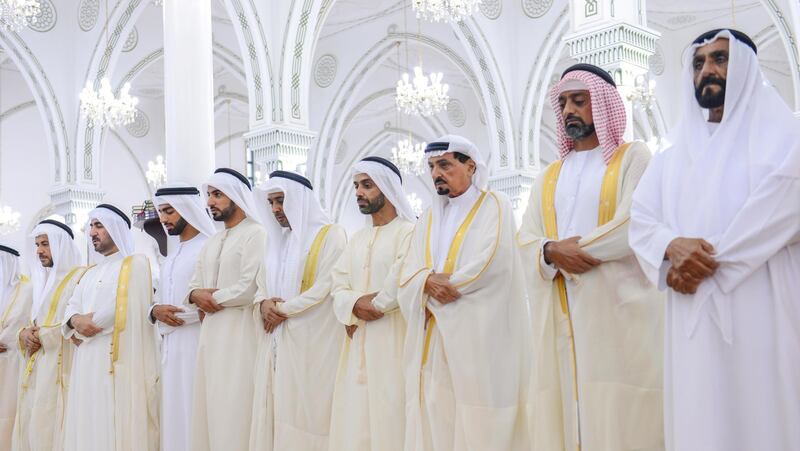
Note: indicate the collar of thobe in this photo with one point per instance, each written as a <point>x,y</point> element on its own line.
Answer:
<point>466,199</point>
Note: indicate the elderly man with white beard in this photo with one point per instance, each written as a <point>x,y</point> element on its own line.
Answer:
<point>716,222</point>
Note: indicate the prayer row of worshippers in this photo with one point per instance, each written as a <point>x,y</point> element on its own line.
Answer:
<point>643,303</point>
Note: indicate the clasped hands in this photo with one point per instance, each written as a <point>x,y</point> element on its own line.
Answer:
<point>204,300</point>
<point>271,315</point>
<point>568,256</point>
<point>30,339</point>
<point>692,261</point>
<point>365,311</point>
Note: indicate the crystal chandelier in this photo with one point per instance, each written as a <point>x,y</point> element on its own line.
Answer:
<point>424,96</point>
<point>408,156</point>
<point>9,220</point>
<point>415,202</point>
<point>18,14</point>
<point>444,10</point>
<point>156,172</point>
<point>101,108</point>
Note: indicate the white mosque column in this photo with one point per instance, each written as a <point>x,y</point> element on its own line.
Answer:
<point>516,185</point>
<point>280,147</point>
<point>188,90</point>
<point>613,34</point>
<point>74,202</point>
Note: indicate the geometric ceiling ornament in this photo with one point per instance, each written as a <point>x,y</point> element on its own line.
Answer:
<point>88,12</point>
<point>683,19</point>
<point>325,70</point>
<point>46,19</point>
<point>140,125</point>
<point>657,61</point>
<point>491,9</point>
<point>133,39</point>
<point>456,113</point>
<point>536,8</point>
<point>444,10</point>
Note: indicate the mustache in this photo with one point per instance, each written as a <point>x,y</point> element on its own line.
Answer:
<point>573,118</point>
<point>439,180</point>
<point>711,80</point>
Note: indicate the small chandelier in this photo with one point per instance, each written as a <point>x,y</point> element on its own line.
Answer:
<point>415,202</point>
<point>408,156</point>
<point>444,10</point>
<point>425,96</point>
<point>9,220</point>
<point>18,14</point>
<point>101,108</point>
<point>156,172</point>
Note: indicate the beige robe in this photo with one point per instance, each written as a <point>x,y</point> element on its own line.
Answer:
<point>296,364</point>
<point>465,369</point>
<point>368,400</point>
<point>223,385</point>
<point>112,402</point>
<point>45,375</point>
<point>596,380</point>
<point>12,319</point>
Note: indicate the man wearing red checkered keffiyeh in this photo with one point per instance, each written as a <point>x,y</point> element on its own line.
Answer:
<point>596,317</point>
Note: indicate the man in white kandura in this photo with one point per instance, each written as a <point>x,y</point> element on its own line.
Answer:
<point>223,287</point>
<point>716,221</point>
<point>112,403</point>
<point>368,400</point>
<point>462,292</point>
<point>184,216</point>
<point>15,307</point>
<point>595,315</point>
<point>297,356</point>
<point>47,355</point>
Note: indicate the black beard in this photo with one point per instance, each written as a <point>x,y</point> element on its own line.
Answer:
<point>373,206</point>
<point>579,131</point>
<point>710,100</point>
<point>47,263</point>
<point>177,229</point>
<point>442,190</point>
<point>225,213</point>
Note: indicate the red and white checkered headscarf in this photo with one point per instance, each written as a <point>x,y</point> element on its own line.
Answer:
<point>608,112</point>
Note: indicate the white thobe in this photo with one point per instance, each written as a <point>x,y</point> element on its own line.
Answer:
<point>223,387</point>
<point>465,370</point>
<point>14,314</point>
<point>584,391</point>
<point>731,361</point>
<point>368,400</point>
<point>42,399</point>
<point>178,345</point>
<point>296,365</point>
<point>113,410</point>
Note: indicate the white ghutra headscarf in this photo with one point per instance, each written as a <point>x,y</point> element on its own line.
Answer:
<point>388,179</point>
<point>65,254</point>
<point>237,187</point>
<point>186,200</point>
<point>9,274</point>
<point>119,229</point>
<point>287,248</point>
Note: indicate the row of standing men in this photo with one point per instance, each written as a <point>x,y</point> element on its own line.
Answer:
<point>450,331</point>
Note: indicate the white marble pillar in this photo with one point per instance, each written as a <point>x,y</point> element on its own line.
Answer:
<point>516,184</point>
<point>188,90</point>
<point>280,147</point>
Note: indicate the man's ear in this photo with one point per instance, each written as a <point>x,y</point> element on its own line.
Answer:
<point>472,166</point>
